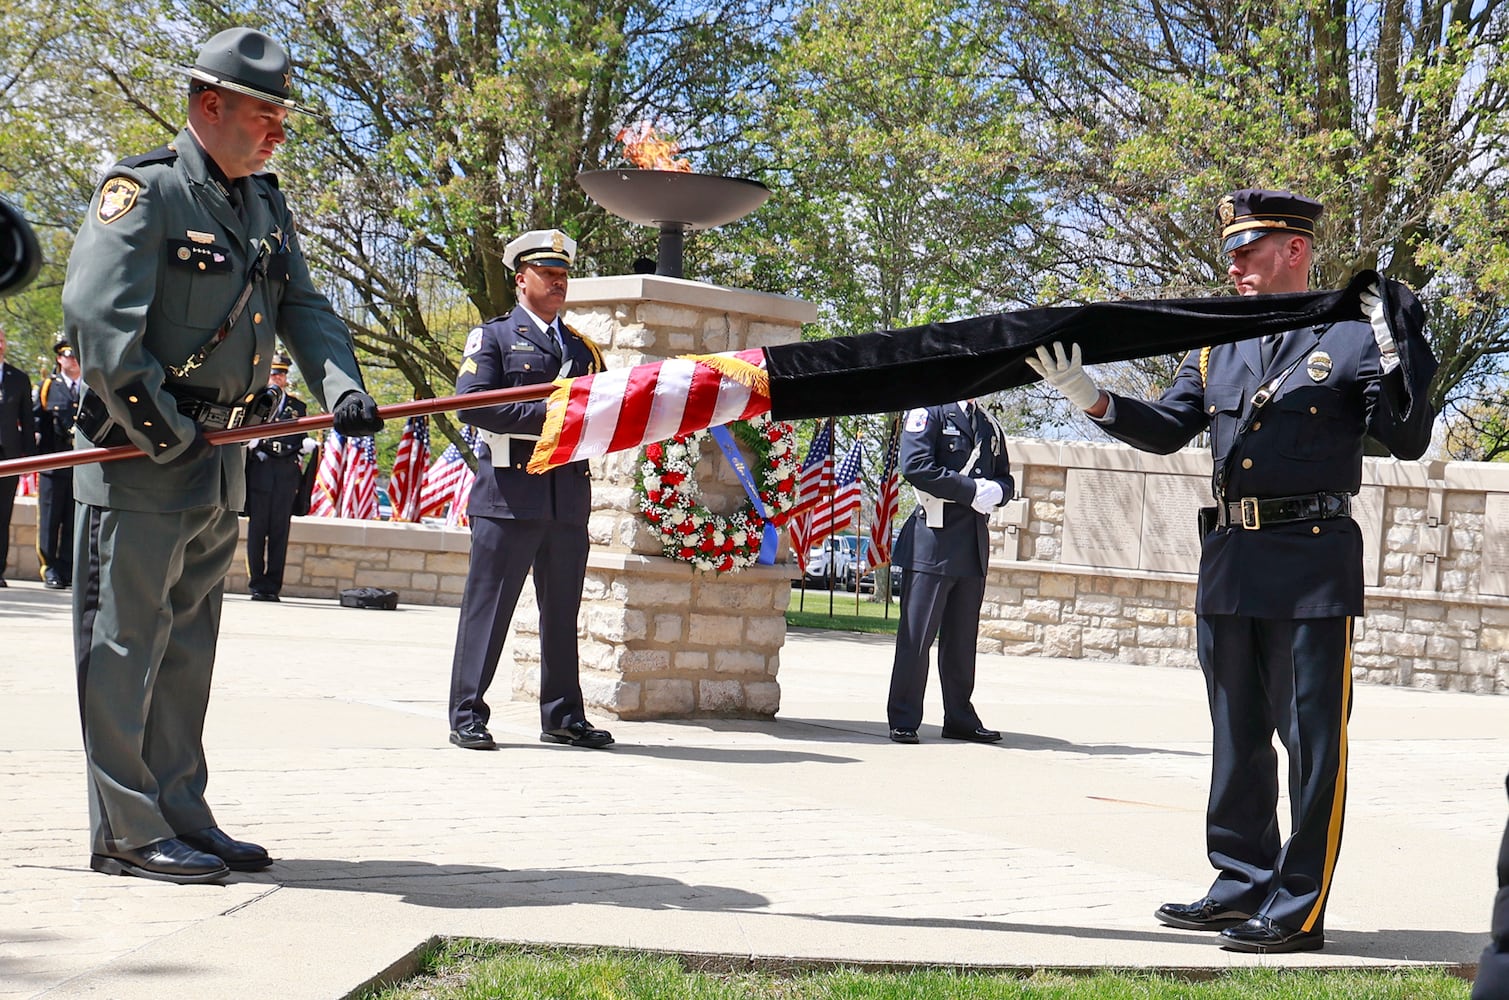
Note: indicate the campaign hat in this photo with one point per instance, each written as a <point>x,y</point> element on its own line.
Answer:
<point>248,62</point>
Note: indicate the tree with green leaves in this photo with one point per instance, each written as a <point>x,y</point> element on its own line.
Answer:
<point>1392,113</point>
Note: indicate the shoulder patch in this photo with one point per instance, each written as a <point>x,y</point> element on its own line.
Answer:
<point>916,420</point>
<point>473,341</point>
<point>117,197</point>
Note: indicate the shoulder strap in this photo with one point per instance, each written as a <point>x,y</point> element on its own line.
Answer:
<point>592,348</point>
<point>162,154</point>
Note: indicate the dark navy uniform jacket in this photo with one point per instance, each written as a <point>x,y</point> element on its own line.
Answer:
<point>1308,438</point>
<point>56,401</point>
<point>936,442</point>
<point>506,352</point>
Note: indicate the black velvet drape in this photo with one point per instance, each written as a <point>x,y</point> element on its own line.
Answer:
<point>942,362</point>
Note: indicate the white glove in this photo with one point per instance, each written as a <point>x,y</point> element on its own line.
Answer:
<point>307,446</point>
<point>1372,310</point>
<point>988,495</point>
<point>1066,374</point>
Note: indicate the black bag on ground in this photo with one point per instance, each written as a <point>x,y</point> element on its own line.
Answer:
<point>369,597</point>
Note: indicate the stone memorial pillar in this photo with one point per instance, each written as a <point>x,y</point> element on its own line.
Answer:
<point>658,638</point>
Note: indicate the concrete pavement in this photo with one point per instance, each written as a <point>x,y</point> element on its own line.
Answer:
<point>811,837</point>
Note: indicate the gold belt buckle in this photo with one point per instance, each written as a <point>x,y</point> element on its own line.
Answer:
<point>1250,519</point>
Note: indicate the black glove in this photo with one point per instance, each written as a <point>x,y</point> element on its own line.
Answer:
<point>355,415</point>
<point>197,449</point>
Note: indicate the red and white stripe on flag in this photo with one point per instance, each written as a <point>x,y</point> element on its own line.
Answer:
<point>326,500</point>
<point>886,501</point>
<point>834,514</point>
<point>359,499</point>
<point>410,463</point>
<point>626,408</point>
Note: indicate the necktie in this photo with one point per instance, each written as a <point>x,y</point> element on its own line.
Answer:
<point>560,346</point>
<point>233,195</point>
<point>1268,348</point>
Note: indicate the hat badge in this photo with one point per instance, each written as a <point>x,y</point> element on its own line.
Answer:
<point>1226,210</point>
<point>558,242</point>
<point>1318,366</point>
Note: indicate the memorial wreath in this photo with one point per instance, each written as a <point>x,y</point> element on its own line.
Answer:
<point>670,500</point>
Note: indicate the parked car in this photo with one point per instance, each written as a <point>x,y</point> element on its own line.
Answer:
<point>847,555</point>
<point>384,505</point>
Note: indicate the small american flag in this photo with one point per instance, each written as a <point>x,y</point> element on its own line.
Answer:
<point>831,515</point>
<point>326,500</point>
<point>359,499</point>
<point>447,477</point>
<point>886,500</point>
<point>815,477</point>
<point>629,407</point>
<point>409,466</point>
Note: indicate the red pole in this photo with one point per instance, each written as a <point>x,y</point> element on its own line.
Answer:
<point>397,411</point>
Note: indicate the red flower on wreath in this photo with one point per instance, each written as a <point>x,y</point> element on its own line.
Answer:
<point>667,484</point>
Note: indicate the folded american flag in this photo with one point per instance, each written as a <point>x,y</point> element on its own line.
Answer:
<point>627,407</point>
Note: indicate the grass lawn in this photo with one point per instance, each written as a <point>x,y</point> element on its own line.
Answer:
<point>851,612</point>
<point>476,970</point>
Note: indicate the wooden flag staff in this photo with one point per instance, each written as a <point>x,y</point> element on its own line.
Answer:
<point>397,411</point>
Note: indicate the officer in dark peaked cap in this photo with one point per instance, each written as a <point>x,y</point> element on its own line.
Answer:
<point>273,476</point>
<point>522,522</point>
<point>186,270</point>
<point>1280,582</point>
<point>57,399</point>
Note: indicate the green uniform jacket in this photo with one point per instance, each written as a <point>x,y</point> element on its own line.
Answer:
<point>157,266</point>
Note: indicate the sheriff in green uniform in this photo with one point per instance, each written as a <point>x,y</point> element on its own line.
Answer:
<point>185,272</point>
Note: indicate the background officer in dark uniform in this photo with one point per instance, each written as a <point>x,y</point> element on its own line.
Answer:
<point>1281,567</point>
<point>57,398</point>
<point>273,475</point>
<point>955,457</point>
<point>520,521</point>
<point>186,270</point>
<point>18,438</point>
<point>1492,981</point>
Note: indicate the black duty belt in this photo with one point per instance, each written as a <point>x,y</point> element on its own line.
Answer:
<point>1253,513</point>
<point>217,416</point>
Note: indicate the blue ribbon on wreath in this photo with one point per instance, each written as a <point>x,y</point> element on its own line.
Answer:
<point>769,539</point>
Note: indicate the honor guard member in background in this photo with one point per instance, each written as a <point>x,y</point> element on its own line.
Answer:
<point>955,457</point>
<point>185,272</point>
<point>18,438</point>
<point>57,398</point>
<point>1281,562</point>
<point>273,475</point>
<point>520,521</point>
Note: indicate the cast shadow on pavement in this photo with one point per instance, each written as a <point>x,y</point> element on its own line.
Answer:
<point>867,732</point>
<point>1394,944</point>
<point>472,887</point>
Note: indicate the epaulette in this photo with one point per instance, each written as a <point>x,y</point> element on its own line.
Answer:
<point>496,319</point>
<point>162,154</point>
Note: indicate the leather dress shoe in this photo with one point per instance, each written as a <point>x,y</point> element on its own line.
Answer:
<point>1202,915</point>
<point>52,581</point>
<point>904,736</point>
<point>473,737</point>
<point>238,855</point>
<point>979,734</point>
<point>263,595</point>
<point>168,860</point>
<point>1263,936</point>
<point>578,734</point>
